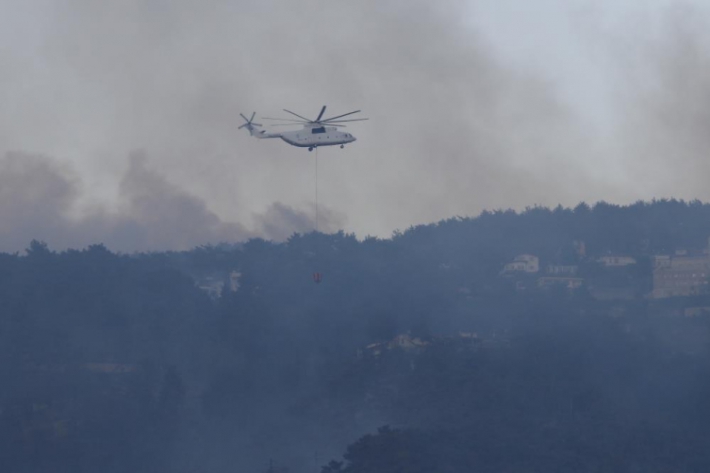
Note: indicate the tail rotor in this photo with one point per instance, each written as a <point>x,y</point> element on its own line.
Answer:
<point>249,125</point>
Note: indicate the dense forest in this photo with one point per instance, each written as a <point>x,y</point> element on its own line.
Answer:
<point>407,354</point>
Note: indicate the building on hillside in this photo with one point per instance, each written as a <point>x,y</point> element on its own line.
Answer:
<point>616,260</point>
<point>561,281</point>
<point>524,264</point>
<point>681,276</point>
<point>468,335</point>
<point>562,270</point>
<point>661,261</point>
<point>406,342</point>
<point>213,283</point>
<point>234,281</point>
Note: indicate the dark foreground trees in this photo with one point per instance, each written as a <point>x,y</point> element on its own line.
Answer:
<point>121,363</point>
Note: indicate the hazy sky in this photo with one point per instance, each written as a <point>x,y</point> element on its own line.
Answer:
<point>119,119</point>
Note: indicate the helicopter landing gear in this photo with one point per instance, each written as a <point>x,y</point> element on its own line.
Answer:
<point>310,148</point>
<point>342,146</point>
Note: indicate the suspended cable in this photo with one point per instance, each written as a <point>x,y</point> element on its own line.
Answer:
<point>316,189</point>
<point>317,276</point>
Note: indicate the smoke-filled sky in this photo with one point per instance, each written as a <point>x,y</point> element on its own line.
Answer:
<point>119,119</point>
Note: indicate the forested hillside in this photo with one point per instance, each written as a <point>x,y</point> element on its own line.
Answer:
<point>415,353</point>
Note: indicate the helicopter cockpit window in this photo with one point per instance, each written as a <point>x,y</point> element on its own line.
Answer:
<point>318,130</point>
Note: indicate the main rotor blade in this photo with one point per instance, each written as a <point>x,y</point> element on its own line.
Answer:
<point>345,121</point>
<point>252,116</point>
<point>320,115</point>
<point>294,124</point>
<point>285,120</point>
<point>340,116</point>
<point>296,114</point>
<point>245,118</point>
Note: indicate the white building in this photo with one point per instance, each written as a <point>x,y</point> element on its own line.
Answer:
<point>661,261</point>
<point>562,270</point>
<point>681,276</point>
<point>616,261</point>
<point>523,263</point>
<point>234,278</point>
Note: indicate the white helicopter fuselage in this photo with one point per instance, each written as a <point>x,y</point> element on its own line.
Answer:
<point>309,136</point>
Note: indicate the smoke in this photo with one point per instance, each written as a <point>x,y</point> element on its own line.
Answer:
<point>665,96</point>
<point>280,221</point>
<point>36,195</point>
<point>453,129</point>
<point>41,199</point>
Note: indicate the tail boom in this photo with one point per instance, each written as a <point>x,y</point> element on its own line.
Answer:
<point>254,131</point>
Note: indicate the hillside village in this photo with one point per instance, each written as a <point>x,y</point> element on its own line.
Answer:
<point>607,277</point>
<point>682,274</point>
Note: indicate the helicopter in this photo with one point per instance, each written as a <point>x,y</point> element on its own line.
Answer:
<point>314,134</point>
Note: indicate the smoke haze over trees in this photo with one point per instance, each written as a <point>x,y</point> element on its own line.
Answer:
<point>42,199</point>
<point>114,362</point>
